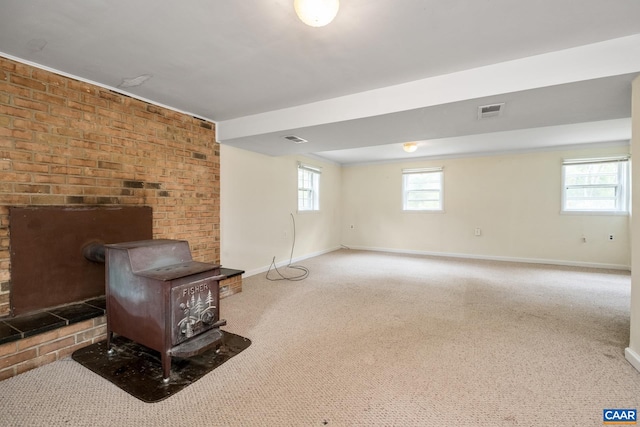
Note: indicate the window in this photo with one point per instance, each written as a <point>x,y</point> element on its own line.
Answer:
<point>308,188</point>
<point>596,185</point>
<point>422,189</point>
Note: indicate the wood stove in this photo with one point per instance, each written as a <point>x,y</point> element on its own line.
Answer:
<point>159,297</point>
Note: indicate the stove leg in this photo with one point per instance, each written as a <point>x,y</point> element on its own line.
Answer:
<point>109,339</point>
<point>166,367</point>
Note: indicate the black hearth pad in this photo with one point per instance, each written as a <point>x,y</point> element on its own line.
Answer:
<point>138,370</point>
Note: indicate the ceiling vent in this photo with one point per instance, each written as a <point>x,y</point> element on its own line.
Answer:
<point>488,111</point>
<point>295,139</point>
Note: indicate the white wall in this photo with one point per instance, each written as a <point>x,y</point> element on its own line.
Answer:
<point>515,199</point>
<point>632,353</point>
<point>258,194</point>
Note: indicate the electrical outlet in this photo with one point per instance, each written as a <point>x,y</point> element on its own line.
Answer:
<point>478,232</point>
<point>610,236</point>
<point>352,226</point>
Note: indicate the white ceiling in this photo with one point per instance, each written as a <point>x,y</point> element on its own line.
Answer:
<point>384,72</point>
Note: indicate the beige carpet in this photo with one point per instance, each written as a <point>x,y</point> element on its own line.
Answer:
<point>372,339</point>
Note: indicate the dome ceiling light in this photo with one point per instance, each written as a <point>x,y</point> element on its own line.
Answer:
<point>410,147</point>
<point>316,13</point>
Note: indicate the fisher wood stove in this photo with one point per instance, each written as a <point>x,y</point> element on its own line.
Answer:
<point>157,296</point>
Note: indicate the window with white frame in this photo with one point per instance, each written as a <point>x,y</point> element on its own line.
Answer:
<point>596,185</point>
<point>422,189</point>
<point>308,188</point>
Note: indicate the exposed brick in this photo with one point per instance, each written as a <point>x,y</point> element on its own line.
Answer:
<point>108,201</point>
<point>82,162</point>
<point>67,131</point>
<point>65,111</point>
<point>48,77</point>
<point>83,107</point>
<point>13,90</point>
<point>49,179</point>
<point>155,110</point>
<point>23,70</point>
<point>56,345</point>
<point>110,96</point>
<point>67,94</point>
<point>16,358</point>
<point>81,86</point>
<point>30,188</point>
<point>8,348</point>
<point>133,184</point>
<point>110,165</point>
<point>97,321</point>
<point>67,351</point>
<point>51,139</point>
<point>91,333</point>
<point>46,158</point>
<point>35,363</point>
<point>20,155</point>
<point>29,125</point>
<point>37,340</point>
<point>49,99</point>
<point>7,373</point>
<point>30,83</point>
<point>15,112</point>
<point>32,105</point>
<point>21,134</point>
<point>30,167</point>
<point>46,200</point>
<point>65,170</point>
<point>94,101</point>
<point>49,119</point>
<point>72,200</point>
<point>79,180</point>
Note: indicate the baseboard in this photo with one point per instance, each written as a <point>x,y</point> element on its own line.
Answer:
<point>632,357</point>
<point>499,258</point>
<point>284,263</point>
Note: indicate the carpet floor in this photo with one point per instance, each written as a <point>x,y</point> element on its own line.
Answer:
<point>378,339</point>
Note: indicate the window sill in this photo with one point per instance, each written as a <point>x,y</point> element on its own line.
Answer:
<point>600,213</point>
<point>425,211</point>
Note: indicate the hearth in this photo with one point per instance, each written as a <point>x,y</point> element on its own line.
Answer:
<point>159,297</point>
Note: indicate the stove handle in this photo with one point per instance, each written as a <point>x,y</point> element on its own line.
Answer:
<point>221,322</point>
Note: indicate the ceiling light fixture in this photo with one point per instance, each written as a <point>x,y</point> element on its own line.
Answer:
<point>409,147</point>
<point>316,13</point>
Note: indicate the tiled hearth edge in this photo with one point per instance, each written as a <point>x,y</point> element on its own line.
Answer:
<point>27,342</point>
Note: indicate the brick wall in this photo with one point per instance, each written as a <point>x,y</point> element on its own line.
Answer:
<point>65,142</point>
<point>20,356</point>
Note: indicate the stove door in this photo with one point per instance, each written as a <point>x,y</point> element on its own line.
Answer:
<point>194,308</point>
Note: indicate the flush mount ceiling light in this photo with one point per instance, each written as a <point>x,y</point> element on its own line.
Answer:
<point>316,13</point>
<point>409,147</point>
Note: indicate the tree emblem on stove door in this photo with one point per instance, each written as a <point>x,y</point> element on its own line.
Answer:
<point>196,313</point>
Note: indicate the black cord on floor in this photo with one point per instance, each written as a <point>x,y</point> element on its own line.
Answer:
<point>304,270</point>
